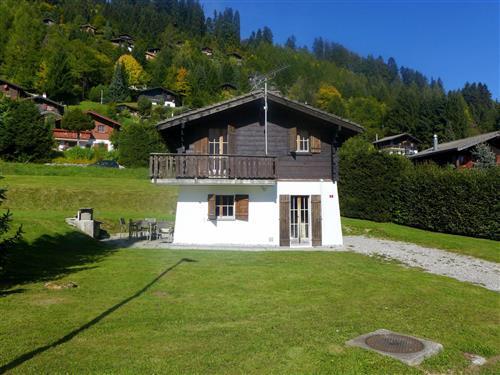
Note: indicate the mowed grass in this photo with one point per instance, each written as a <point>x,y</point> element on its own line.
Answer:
<point>164,311</point>
<point>476,247</point>
<point>36,192</point>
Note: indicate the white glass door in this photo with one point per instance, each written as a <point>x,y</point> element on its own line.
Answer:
<point>299,220</point>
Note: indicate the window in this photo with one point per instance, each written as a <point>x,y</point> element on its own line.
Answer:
<point>217,141</point>
<point>228,207</point>
<point>224,206</point>
<point>101,128</point>
<point>302,141</point>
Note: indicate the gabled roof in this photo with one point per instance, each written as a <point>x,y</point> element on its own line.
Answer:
<point>457,145</point>
<point>44,99</point>
<point>145,91</point>
<point>94,114</point>
<point>251,97</point>
<point>393,137</point>
<point>88,26</point>
<point>16,86</point>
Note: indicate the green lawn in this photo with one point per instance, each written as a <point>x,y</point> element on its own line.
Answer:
<point>480,248</point>
<point>162,311</point>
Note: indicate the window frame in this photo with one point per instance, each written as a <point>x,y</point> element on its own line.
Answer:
<point>221,205</point>
<point>303,141</point>
<point>103,127</point>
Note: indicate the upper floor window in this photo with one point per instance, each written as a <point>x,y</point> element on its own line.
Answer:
<point>302,141</point>
<point>101,128</point>
<point>217,141</point>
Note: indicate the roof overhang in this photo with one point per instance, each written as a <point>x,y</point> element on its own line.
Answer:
<point>251,97</point>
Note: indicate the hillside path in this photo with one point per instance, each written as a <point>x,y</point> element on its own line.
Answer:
<point>439,262</point>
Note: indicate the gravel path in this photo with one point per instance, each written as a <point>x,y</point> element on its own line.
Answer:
<point>439,262</point>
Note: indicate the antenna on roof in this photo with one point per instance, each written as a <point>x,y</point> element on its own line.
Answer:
<point>257,82</point>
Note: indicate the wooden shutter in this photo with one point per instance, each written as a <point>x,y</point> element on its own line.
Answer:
<point>201,145</point>
<point>284,220</point>
<point>211,207</point>
<point>316,219</point>
<point>315,143</point>
<point>241,203</point>
<point>293,139</point>
<point>231,132</point>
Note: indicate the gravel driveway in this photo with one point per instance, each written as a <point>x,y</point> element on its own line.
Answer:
<point>439,262</point>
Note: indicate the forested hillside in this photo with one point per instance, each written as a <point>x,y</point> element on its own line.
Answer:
<point>71,64</point>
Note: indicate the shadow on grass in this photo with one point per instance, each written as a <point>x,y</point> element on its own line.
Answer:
<point>27,356</point>
<point>50,257</point>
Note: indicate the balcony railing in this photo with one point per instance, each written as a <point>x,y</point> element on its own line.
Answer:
<point>177,166</point>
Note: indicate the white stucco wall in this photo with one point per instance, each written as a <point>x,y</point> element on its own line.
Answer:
<point>193,227</point>
<point>331,230</point>
<point>262,228</point>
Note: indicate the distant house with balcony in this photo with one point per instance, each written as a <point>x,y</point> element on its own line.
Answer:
<point>151,53</point>
<point>88,28</point>
<point>242,182</point>
<point>123,41</point>
<point>159,96</point>
<point>100,136</point>
<point>459,152</point>
<point>401,144</point>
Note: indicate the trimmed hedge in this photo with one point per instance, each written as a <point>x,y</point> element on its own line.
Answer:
<point>381,187</point>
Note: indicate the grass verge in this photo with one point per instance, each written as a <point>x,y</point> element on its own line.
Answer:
<point>476,247</point>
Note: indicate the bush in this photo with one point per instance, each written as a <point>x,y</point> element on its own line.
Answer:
<point>136,141</point>
<point>382,187</point>
<point>24,135</point>
<point>95,94</point>
<point>465,201</point>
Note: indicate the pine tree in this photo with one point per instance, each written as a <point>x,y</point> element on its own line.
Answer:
<point>483,156</point>
<point>59,79</point>
<point>118,89</point>
<point>7,241</point>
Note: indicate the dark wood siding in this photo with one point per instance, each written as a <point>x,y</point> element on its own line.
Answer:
<point>246,127</point>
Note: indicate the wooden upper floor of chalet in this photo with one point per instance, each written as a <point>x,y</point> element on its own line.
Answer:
<point>301,140</point>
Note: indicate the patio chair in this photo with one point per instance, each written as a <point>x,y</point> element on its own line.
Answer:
<point>165,230</point>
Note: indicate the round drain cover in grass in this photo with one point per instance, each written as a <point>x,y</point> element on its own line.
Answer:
<point>393,343</point>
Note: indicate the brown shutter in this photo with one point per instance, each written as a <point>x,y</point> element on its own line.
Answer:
<point>316,219</point>
<point>211,207</point>
<point>231,132</point>
<point>293,139</point>
<point>241,202</point>
<point>284,220</point>
<point>315,142</point>
<point>201,145</point>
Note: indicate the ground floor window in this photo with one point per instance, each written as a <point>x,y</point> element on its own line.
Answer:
<point>224,206</point>
<point>234,206</point>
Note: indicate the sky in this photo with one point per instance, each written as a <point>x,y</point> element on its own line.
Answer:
<point>456,40</point>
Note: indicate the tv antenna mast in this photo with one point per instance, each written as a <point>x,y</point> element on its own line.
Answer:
<point>261,80</point>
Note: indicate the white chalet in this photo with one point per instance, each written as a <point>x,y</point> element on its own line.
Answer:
<point>232,193</point>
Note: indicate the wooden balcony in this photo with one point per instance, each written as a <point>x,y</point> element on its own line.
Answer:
<point>214,167</point>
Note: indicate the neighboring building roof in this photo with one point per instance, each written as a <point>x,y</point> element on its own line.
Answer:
<point>235,55</point>
<point>228,86</point>
<point>16,86</point>
<point>88,26</point>
<point>394,137</point>
<point>44,99</point>
<point>151,89</point>
<point>103,118</point>
<point>153,50</point>
<point>457,145</point>
<point>251,97</point>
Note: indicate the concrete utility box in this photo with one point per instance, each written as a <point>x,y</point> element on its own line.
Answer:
<point>85,214</point>
<point>84,221</point>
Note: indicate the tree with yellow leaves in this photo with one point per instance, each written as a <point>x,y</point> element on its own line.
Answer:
<point>328,98</point>
<point>181,84</point>
<point>135,73</point>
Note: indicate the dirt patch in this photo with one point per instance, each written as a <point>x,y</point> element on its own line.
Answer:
<point>53,285</point>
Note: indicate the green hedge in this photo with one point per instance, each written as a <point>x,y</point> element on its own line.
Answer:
<point>381,187</point>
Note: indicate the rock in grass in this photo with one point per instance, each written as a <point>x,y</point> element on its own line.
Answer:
<point>58,286</point>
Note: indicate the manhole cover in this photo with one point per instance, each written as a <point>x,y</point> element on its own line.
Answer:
<point>393,343</point>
